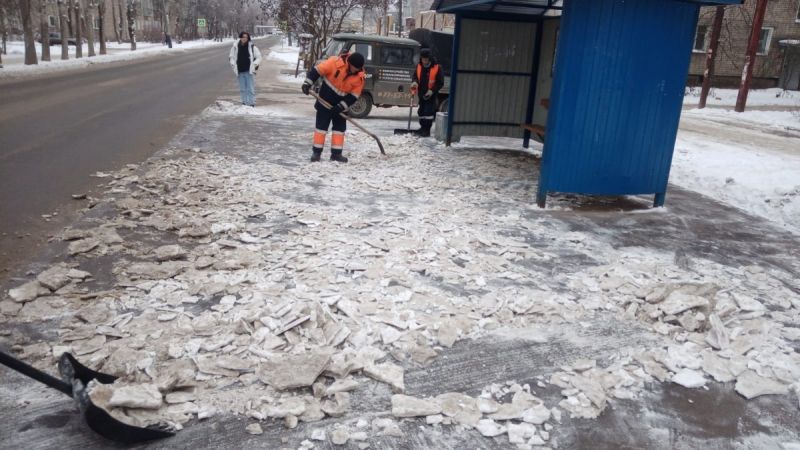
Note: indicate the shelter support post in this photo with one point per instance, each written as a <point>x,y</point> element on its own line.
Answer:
<point>537,55</point>
<point>451,99</point>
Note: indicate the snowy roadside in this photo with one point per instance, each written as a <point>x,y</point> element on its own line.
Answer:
<point>13,67</point>
<point>745,163</point>
<point>756,97</point>
<point>283,52</point>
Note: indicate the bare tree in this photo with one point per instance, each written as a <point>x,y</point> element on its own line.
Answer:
<point>121,22</point>
<point>3,31</point>
<point>131,13</point>
<point>77,26</point>
<point>44,30</point>
<point>88,16</point>
<point>101,25</point>
<point>70,21</point>
<point>27,29</point>
<point>115,22</point>
<point>62,20</point>
<point>320,18</point>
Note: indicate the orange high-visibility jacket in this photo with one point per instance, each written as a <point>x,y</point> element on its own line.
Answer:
<point>432,76</point>
<point>339,85</point>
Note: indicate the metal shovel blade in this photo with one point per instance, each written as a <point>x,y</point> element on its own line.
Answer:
<point>75,377</point>
<point>98,419</point>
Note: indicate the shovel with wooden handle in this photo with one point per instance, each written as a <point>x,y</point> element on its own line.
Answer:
<point>345,117</point>
<point>74,379</point>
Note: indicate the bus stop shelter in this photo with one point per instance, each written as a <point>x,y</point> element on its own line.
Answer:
<point>601,82</point>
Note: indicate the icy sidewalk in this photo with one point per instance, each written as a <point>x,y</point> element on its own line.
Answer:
<point>417,300</point>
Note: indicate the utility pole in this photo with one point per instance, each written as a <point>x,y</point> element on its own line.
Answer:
<point>711,55</point>
<point>750,58</point>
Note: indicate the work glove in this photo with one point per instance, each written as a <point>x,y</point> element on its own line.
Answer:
<point>306,87</point>
<point>337,109</point>
<point>428,95</point>
<point>414,88</point>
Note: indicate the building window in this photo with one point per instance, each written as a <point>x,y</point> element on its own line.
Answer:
<point>764,40</point>
<point>51,20</point>
<point>700,39</point>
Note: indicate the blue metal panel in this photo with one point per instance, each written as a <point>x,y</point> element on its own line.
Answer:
<point>617,96</point>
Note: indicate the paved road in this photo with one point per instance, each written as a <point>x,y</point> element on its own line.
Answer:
<point>58,130</point>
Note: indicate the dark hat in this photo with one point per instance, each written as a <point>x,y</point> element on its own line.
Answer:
<point>356,60</point>
<point>425,53</point>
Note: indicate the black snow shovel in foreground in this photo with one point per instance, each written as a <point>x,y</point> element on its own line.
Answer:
<point>410,112</point>
<point>74,379</point>
<point>345,117</point>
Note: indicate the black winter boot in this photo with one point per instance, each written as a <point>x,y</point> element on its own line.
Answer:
<point>317,155</point>
<point>336,155</point>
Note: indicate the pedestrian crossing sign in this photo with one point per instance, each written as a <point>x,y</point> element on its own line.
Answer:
<point>201,23</point>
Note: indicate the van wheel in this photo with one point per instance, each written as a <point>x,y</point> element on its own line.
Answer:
<point>361,107</point>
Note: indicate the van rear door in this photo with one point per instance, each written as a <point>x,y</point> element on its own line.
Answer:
<point>395,65</point>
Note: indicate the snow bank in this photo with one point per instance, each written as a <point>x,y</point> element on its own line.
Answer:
<point>756,97</point>
<point>285,53</point>
<point>773,119</point>
<point>14,67</point>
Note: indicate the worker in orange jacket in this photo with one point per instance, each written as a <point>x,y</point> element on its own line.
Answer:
<point>343,81</point>
<point>428,80</point>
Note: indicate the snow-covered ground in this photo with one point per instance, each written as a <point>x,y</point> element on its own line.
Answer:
<point>756,97</point>
<point>749,160</point>
<point>283,52</point>
<point>13,64</point>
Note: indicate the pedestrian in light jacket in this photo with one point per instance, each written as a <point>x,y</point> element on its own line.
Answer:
<point>245,58</point>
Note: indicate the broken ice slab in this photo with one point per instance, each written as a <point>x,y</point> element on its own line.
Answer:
<point>293,371</point>
<point>678,302</point>
<point>28,292</point>
<point>407,406</point>
<point>750,385</point>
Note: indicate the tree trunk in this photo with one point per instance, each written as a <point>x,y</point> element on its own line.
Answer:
<point>70,20</point>
<point>78,26</point>
<point>114,22</point>
<point>89,32</point>
<point>750,57</point>
<point>27,29</point>
<point>121,23</point>
<point>711,55</point>
<point>62,21</point>
<point>2,34</point>
<point>131,11</point>
<point>44,30</point>
<point>101,25</point>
